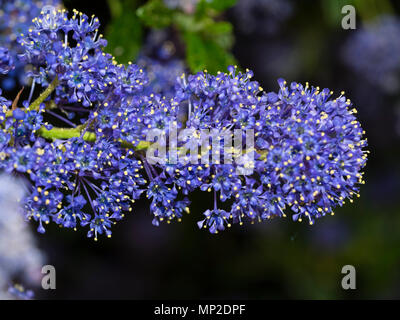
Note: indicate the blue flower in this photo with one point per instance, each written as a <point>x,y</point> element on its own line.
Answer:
<point>19,292</point>
<point>314,149</point>
<point>6,61</point>
<point>15,19</point>
<point>100,224</point>
<point>215,220</point>
<point>72,213</point>
<point>309,146</point>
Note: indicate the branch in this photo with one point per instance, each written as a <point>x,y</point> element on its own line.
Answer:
<point>65,133</point>
<point>68,133</point>
<point>43,96</point>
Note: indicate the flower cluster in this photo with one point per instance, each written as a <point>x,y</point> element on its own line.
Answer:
<point>73,176</point>
<point>69,49</point>
<point>6,61</point>
<point>16,18</point>
<point>221,101</point>
<point>315,150</point>
<point>307,155</point>
<point>309,146</point>
<point>162,75</point>
<point>162,64</point>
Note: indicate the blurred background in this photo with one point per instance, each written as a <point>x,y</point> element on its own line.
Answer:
<point>296,40</point>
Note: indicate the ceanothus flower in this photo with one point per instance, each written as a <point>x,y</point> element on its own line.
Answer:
<point>6,61</point>
<point>314,150</point>
<point>134,118</point>
<point>162,75</point>
<point>49,49</point>
<point>215,220</point>
<point>309,147</point>
<point>224,180</point>
<point>19,292</point>
<point>16,18</point>
<point>72,214</point>
<point>307,156</point>
<point>224,101</point>
<point>70,177</point>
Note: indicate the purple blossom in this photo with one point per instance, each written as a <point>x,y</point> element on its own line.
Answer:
<point>6,61</point>
<point>309,147</point>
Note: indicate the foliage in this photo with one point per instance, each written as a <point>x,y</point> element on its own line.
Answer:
<point>208,41</point>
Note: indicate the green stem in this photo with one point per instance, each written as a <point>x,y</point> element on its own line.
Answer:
<point>65,133</point>
<point>68,133</point>
<point>43,96</point>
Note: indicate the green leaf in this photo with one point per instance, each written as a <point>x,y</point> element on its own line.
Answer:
<point>369,9</point>
<point>155,14</point>
<point>124,34</point>
<point>191,23</point>
<point>203,53</point>
<point>115,7</point>
<point>218,5</point>
<point>222,33</point>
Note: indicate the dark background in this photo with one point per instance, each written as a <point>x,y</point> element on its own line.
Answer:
<point>278,259</point>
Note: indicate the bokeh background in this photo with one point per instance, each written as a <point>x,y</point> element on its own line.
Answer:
<point>296,40</point>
